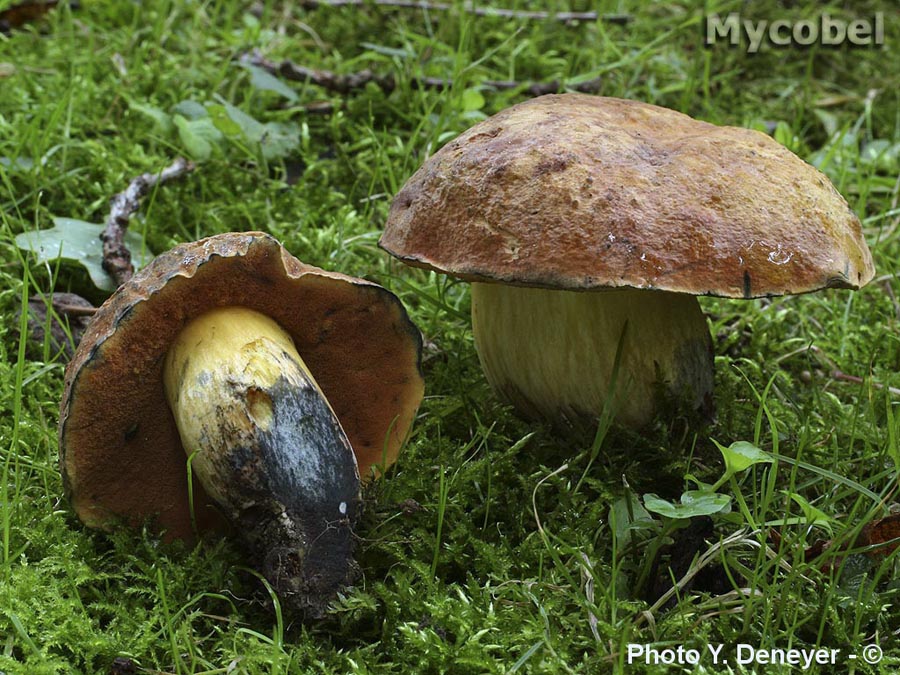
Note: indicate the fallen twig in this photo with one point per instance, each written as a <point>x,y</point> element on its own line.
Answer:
<point>319,108</point>
<point>470,8</point>
<point>344,84</point>
<point>116,256</point>
<point>833,371</point>
<point>71,309</point>
<point>856,379</point>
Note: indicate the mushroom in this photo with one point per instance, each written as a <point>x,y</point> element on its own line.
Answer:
<point>587,226</point>
<point>274,383</point>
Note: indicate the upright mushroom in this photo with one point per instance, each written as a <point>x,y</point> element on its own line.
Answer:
<point>583,220</point>
<point>278,382</point>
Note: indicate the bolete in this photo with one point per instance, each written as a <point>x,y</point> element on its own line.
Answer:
<point>586,223</point>
<point>274,383</point>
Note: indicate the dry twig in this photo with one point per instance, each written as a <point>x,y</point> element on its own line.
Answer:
<point>344,84</point>
<point>471,8</point>
<point>841,376</point>
<point>116,256</point>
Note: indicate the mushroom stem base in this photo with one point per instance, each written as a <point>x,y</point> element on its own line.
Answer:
<point>552,354</point>
<point>268,449</point>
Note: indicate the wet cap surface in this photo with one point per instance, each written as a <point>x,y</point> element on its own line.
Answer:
<point>584,192</point>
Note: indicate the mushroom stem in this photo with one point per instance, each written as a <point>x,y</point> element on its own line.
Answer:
<point>552,353</point>
<point>268,449</point>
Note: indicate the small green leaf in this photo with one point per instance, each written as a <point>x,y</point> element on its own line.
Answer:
<point>77,240</point>
<point>828,120</point>
<point>265,81</point>
<point>162,119</point>
<point>279,140</point>
<point>222,120</point>
<point>811,514</point>
<point>706,502</point>
<point>250,127</point>
<point>740,456</point>
<point>198,136</point>
<point>472,99</point>
<point>275,139</point>
<point>190,110</point>
<point>785,135</point>
<point>693,503</point>
<point>627,514</point>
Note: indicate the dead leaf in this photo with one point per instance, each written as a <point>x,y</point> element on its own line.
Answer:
<point>883,533</point>
<point>66,324</point>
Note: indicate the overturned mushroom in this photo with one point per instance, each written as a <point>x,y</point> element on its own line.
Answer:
<point>278,382</point>
<point>583,220</point>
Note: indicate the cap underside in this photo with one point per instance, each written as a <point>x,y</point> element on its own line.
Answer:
<point>120,451</point>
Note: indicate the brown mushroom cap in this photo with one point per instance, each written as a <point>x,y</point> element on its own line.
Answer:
<point>580,192</point>
<point>120,452</point>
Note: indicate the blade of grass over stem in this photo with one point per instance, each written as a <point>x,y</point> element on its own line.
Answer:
<point>610,405</point>
<point>168,624</point>
<point>443,492</point>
